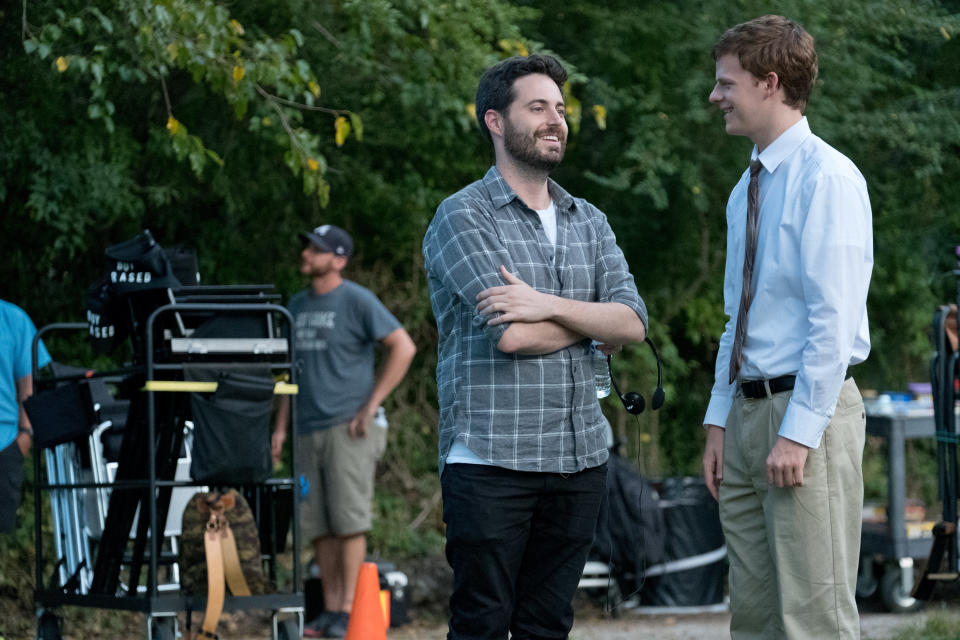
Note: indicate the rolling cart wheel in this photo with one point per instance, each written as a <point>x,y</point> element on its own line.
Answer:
<point>288,629</point>
<point>867,582</point>
<point>163,628</point>
<point>866,587</point>
<point>49,627</point>
<point>893,596</point>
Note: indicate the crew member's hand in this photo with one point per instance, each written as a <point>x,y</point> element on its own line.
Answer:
<point>785,463</point>
<point>516,301</point>
<point>361,423</point>
<point>713,459</point>
<point>276,444</point>
<point>23,441</point>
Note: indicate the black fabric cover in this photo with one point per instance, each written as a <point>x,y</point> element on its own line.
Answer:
<point>630,528</point>
<point>692,520</point>
<point>61,414</point>
<point>108,322</point>
<point>139,264</point>
<point>234,325</point>
<point>231,437</point>
<point>139,275</point>
<point>183,263</point>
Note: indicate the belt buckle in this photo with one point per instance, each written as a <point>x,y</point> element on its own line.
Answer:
<point>766,387</point>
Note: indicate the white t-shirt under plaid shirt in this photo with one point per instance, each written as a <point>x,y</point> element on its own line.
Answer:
<point>521,412</point>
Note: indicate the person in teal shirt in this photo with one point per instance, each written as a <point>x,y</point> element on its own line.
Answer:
<point>16,385</point>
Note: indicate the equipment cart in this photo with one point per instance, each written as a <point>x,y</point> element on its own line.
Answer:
<point>106,506</point>
<point>891,541</point>
<point>943,565</point>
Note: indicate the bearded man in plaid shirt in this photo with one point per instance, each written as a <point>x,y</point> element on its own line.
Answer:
<point>523,277</point>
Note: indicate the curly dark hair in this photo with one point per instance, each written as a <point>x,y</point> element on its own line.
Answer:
<point>495,90</point>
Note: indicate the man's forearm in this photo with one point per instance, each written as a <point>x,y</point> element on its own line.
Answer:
<point>24,438</point>
<point>518,303</point>
<point>24,391</point>
<point>537,338</point>
<point>606,322</point>
<point>401,350</point>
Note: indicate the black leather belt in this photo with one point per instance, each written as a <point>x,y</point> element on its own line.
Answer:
<point>766,388</point>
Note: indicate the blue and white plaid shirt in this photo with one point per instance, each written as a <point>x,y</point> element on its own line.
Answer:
<point>521,412</point>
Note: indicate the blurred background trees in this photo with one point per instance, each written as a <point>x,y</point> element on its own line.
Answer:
<point>231,127</point>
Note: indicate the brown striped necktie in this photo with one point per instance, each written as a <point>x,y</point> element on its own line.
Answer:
<point>749,256</point>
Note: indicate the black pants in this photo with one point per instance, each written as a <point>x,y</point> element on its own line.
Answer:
<point>517,543</point>
<point>11,484</point>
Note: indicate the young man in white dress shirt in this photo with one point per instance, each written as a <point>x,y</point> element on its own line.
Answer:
<point>785,422</point>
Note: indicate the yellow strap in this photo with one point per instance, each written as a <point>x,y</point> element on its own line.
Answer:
<point>231,564</point>
<point>280,388</point>
<point>215,595</point>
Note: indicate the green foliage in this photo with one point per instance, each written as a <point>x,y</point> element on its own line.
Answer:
<point>144,42</point>
<point>392,536</point>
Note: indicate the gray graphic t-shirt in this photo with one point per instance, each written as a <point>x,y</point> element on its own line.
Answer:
<point>334,337</point>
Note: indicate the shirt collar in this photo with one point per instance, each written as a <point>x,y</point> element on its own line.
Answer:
<point>783,146</point>
<point>502,194</point>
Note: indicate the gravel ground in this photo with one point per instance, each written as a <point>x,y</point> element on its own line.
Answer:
<point>712,626</point>
<point>591,624</point>
<point>429,622</point>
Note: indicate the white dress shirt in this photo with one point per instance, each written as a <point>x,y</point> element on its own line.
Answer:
<point>814,258</point>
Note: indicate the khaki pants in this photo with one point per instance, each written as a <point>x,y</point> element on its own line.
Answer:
<point>794,551</point>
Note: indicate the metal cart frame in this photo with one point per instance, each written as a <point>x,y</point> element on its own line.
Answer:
<point>162,607</point>
<point>889,539</point>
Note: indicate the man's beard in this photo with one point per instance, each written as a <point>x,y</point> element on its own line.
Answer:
<point>314,271</point>
<point>523,148</point>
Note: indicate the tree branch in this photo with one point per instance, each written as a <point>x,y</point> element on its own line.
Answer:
<point>326,34</point>
<point>427,508</point>
<point>166,96</point>
<point>296,105</point>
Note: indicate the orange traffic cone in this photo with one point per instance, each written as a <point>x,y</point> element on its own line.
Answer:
<point>367,616</point>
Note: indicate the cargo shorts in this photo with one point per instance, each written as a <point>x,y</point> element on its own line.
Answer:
<point>339,473</point>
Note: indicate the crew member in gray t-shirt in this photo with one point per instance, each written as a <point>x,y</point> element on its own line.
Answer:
<point>337,325</point>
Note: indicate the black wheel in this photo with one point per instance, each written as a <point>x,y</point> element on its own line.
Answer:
<point>163,628</point>
<point>288,629</point>
<point>893,596</point>
<point>49,627</point>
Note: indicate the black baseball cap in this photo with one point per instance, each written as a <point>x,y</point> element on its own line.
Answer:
<point>330,238</point>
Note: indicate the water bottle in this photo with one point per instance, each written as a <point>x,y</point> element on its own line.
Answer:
<point>601,372</point>
<point>381,418</point>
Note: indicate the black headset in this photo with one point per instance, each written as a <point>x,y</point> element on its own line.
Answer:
<point>632,401</point>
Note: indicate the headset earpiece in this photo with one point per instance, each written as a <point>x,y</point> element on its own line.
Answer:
<point>658,397</point>
<point>632,401</point>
